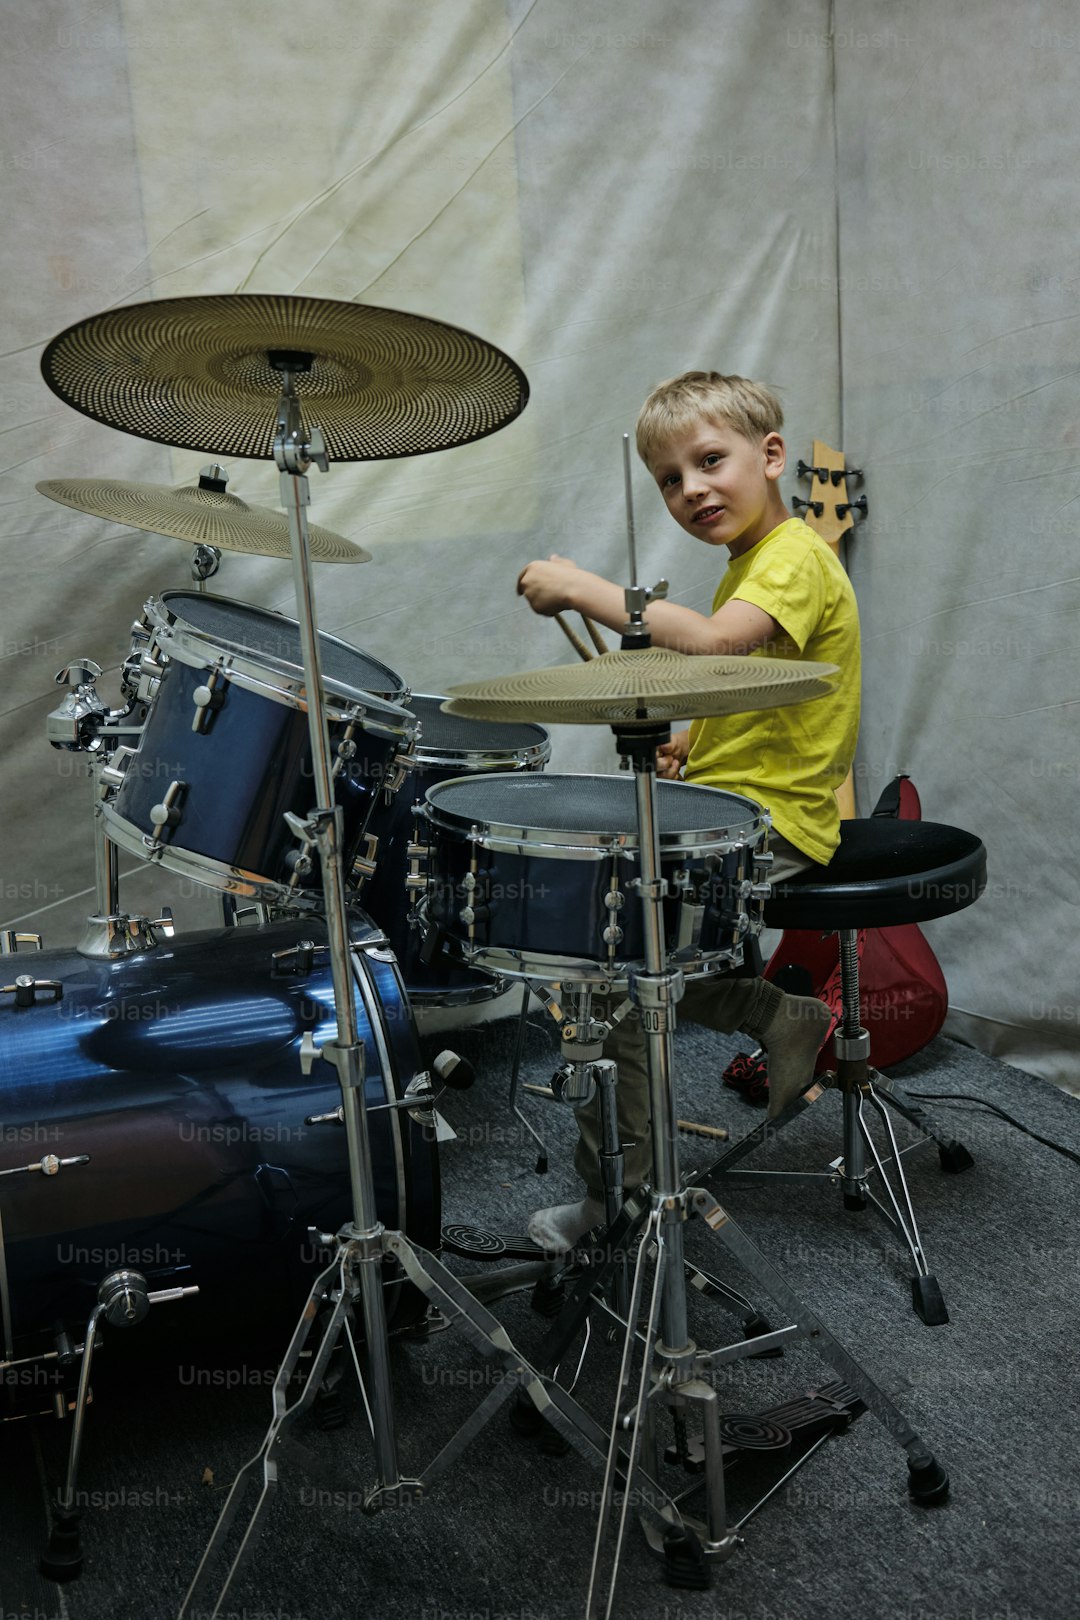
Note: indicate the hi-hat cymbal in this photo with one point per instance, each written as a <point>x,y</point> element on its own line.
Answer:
<point>640,687</point>
<point>208,517</point>
<point>195,373</point>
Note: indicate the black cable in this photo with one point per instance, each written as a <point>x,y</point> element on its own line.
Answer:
<point>964,1096</point>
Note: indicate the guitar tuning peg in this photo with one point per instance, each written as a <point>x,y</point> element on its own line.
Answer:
<point>844,507</point>
<point>839,474</point>
<point>804,470</point>
<point>817,507</point>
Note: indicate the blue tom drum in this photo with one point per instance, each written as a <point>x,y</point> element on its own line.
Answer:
<point>225,753</point>
<point>447,745</point>
<point>534,877</point>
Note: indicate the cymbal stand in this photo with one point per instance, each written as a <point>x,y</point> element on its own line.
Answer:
<point>294,453</point>
<point>356,1271</point>
<point>674,1373</point>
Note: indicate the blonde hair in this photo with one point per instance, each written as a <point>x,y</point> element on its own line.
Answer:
<point>749,407</point>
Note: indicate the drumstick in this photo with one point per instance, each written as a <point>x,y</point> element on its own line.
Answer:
<point>718,1132</point>
<point>597,639</point>
<point>573,638</point>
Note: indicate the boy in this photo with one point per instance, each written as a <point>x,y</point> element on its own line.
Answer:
<point>713,445</point>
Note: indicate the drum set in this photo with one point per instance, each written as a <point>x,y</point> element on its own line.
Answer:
<point>380,850</point>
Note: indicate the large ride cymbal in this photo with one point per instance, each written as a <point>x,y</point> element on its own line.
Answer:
<point>195,373</point>
<point>207,517</point>
<point>640,687</point>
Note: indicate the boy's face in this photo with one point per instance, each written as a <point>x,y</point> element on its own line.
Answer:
<point>721,487</point>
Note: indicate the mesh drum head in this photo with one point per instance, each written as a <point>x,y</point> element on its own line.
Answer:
<point>598,806</point>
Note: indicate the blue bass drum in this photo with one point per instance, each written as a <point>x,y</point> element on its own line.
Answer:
<point>176,1076</point>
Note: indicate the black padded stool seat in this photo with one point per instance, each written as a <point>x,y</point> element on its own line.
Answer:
<point>884,873</point>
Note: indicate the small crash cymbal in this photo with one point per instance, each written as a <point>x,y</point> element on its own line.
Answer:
<point>208,517</point>
<point>196,373</point>
<point>641,686</point>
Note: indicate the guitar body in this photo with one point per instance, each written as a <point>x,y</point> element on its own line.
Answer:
<point>902,992</point>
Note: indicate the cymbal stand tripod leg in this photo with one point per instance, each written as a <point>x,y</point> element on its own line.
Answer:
<point>264,1461</point>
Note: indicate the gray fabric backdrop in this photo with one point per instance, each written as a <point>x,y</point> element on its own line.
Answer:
<point>872,210</point>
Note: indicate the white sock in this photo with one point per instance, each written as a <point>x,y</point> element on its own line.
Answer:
<point>557,1229</point>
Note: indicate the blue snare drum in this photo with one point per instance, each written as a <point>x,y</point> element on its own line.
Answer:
<point>447,745</point>
<point>533,876</point>
<point>225,751</point>
<point>177,1073</point>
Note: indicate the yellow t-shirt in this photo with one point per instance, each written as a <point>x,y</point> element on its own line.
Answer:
<point>792,759</point>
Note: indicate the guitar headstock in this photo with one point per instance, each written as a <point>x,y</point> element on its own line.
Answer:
<point>828,509</point>
<point>830,512</point>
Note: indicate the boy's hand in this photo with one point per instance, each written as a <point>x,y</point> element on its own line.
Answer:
<point>546,586</point>
<point>671,756</point>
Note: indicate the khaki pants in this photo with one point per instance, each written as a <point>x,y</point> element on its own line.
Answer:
<point>719,1002</point>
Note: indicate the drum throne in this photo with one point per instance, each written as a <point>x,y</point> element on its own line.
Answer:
<point>885,873</point>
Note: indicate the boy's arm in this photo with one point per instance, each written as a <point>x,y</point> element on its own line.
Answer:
<point>738,627</point>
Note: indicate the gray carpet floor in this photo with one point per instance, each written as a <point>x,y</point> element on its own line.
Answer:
<point>507,1533</point>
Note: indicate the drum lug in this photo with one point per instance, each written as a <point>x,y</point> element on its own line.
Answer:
<point>614,901</point>
<point>363,866</point>
<point>26,987</point>
<point>402,763</point>
<point>208,698</point>
<point>167,814</point>
<point>477,906</point>
<point>345,752</point>
<point>418,856</point>
<point>612,935</point>
<point>10,941</point>
<point>149,672</point>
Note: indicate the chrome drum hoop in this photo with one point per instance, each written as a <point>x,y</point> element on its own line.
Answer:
<point>269,674</point>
